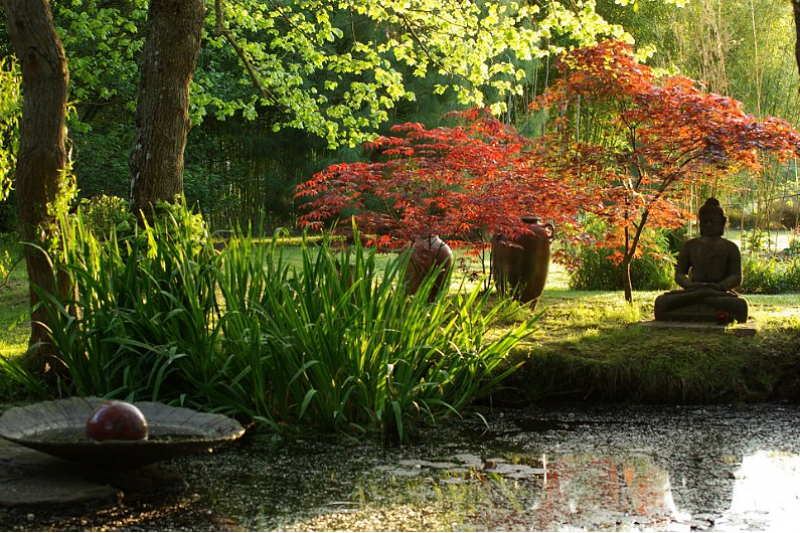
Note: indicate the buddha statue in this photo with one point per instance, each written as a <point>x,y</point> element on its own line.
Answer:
<point>709,268</point>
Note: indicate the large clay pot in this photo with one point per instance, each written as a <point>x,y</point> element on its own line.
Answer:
<point>428,253</point>
<point>520,265</point>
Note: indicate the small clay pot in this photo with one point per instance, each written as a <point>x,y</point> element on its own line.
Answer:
<point>429,253</point>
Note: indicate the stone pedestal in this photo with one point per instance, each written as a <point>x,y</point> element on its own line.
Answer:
<point>705,313</point>
<point>748,329</point>
<point>31,478</point>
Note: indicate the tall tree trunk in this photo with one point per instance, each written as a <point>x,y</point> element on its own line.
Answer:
<point>172,44</point>
<point>42,156</point>
<point>796,7</point>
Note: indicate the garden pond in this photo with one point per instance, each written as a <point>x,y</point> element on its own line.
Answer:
<point>546,468</point>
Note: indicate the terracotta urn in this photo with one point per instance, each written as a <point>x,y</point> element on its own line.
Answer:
<point>520,265</point>
<point>428,253</point>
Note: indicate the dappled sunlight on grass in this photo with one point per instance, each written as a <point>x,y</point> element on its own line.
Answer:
<point>15,330</point>
<point>778,239</point>
<point>14,301</point>
<point>17,344</point>
<point>577,309</point>
<point>14,323</point>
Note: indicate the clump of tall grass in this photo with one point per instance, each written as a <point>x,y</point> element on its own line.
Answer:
<point>140,301</point>
<point>335,344</point>
<point>347,347</point>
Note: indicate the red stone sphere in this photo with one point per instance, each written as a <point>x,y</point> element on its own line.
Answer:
<point>117,421</point>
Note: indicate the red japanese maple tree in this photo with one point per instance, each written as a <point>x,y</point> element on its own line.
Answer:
<point>656,137</point>
<point>462,183</point>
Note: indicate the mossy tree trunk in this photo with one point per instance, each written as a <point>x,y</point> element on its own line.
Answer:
<point>796,7</point>
<point>42,156</point>
<point>172,45</point>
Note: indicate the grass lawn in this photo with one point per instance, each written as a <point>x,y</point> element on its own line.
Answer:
<point>14,322</point>
<point>15,326</point>
<point>591,345</point>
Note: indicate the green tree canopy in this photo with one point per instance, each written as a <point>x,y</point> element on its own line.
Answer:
<point>334,69</point>
<point>10,110</point>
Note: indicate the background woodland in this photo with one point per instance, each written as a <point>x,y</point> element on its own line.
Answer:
<point>239,170</point>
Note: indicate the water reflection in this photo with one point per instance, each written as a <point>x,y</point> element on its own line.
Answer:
<point>766,492</point>
<point>551,468</point>
<point>603,493</point>
<point>601,469</point>
<point>568,492</point>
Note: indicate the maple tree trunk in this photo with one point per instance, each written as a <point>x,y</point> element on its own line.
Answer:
<point>630,252</point>
<point>627,284</point>
<point>42,155</point>
<point>796,7</point>
<point>172,44</point>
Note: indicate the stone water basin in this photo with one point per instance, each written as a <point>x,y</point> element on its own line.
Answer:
<point>58,429</point>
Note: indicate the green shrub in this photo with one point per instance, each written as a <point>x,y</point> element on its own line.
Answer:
<point>770,275</point>
<point>596,272</point>
<point>593,270</point>
<point>336,344</point>
<point>141,300</point>
<point>104,213</point>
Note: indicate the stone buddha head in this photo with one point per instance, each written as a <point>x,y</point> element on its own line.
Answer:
<point>712,219</point>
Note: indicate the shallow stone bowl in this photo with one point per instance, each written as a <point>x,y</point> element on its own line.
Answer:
<point>58,428</point>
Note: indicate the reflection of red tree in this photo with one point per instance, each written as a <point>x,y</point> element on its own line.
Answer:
<point>609,481</point>
<point>647,492</point>
<point>552,505</point>
<point>646,487</point>
<point>587,485</point>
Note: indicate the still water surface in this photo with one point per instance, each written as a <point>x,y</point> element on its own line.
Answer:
<point>565,468</point>
<point>549,468</point>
